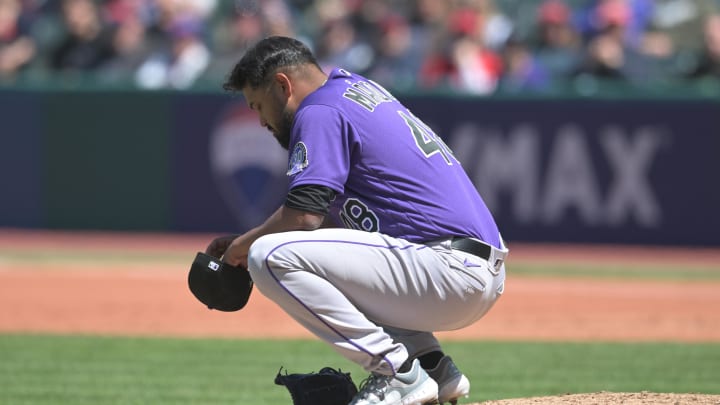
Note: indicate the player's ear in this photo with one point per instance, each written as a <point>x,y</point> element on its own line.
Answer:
<point>283,83</point>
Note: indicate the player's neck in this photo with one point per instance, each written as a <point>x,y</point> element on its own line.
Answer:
<point>311,80</point>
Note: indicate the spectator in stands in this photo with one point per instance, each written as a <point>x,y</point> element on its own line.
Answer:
<point>427,43</point>
<point>88,42</point>
<point>398,57</point>
<point>183,63</point>
<point>204,9</point>
<point>162,17</point>
<point>17,47</point>
<point>339,45</point>
<point>682,20</point>
<point>522,71</point>
<point>369,15</point>
<point>635,16</point>
<point>240,25</point>
<point>475,68</point>
<point>428,27</point>
<point>238,31</point>
<point>129,41</point>
<point>277,18</point>
<point>428,22</point>
<point>497,27</point>
<point>709,62</point>
<point>557,45</point>
<point>607,54</point>
<point>235,30</point>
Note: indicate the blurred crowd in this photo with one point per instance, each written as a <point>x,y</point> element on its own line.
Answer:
<point>473,46</point>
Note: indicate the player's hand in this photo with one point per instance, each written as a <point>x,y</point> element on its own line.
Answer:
<point>219,246</point>
<point>237,253</point>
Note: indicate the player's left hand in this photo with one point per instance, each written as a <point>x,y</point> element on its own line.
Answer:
<point>219,246</point>
<point>237,253</point>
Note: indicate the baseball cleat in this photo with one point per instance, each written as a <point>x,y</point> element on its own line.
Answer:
<point>412,388</point>
<point>452,384</point>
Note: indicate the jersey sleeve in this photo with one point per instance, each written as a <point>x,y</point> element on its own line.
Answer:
<point>311,198</point>
<point>321,148</point>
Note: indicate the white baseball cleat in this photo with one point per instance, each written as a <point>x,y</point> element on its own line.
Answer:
<point>412,388</point>
<point>452,384</point>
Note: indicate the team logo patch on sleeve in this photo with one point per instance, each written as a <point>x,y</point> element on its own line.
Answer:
<point>298,159</point>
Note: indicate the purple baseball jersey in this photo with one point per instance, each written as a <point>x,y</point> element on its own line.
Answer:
<point>391,172</point>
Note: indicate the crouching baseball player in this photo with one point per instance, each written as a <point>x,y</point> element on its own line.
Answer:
<point>382,239</point>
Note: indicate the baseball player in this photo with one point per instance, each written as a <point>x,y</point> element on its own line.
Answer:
<point>382,238</point>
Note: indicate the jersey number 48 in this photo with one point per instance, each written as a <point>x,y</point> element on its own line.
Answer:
<point>425,139</point>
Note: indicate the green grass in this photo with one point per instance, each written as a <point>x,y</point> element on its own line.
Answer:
<point>112,370</point>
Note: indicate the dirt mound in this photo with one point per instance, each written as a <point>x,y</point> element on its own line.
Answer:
<point>612,398</point>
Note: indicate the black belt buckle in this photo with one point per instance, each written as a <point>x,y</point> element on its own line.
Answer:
<point>473,247</point>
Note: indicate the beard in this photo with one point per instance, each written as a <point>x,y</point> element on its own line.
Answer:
<point>284,128</point>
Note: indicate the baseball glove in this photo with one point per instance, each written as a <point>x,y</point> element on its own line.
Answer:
<point>219,285</point>
<point>326,387</point>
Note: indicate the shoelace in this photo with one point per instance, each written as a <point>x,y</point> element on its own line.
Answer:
<point>374,384</point>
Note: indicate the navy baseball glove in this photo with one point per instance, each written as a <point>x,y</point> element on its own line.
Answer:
<point>326,387</point>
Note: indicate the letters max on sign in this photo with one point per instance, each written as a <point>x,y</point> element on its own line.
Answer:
<point>547,183</point>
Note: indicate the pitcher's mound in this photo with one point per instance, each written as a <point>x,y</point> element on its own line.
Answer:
<point>612,398</point>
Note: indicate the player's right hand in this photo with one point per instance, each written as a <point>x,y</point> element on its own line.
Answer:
<point>218,246</point>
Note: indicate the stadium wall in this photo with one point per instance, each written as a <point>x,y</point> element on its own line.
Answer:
<point>637,171</point>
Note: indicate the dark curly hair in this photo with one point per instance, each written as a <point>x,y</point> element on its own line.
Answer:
<point>265,58</point>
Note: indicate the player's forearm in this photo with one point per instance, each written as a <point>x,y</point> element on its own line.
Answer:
<point>290,219</point>
<point>328,222</point>
<point>284,219</point>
